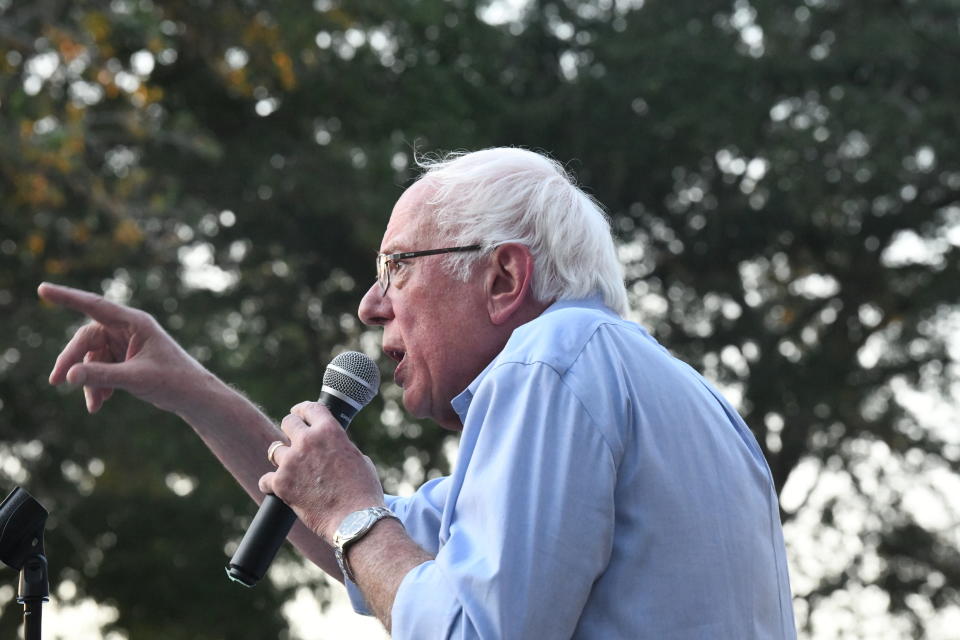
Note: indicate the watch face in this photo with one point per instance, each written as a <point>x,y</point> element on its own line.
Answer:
<point>353,523</point>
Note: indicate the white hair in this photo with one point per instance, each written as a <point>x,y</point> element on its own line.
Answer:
<point>501,195</point>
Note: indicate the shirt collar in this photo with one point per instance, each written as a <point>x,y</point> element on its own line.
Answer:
<point>461,403</point>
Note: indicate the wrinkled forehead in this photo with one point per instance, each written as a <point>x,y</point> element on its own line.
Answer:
<point>411,226</point>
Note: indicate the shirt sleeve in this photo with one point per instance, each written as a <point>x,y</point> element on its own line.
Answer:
<point>532,517</point>
<point>420,515</point>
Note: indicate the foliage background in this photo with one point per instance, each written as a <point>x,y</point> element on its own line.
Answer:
<point>784,179</point>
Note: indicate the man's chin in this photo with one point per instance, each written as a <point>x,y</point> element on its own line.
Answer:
<point>417,407</point>
<point>412,405</point>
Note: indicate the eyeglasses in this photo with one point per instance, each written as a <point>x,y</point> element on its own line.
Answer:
<point>386,262</point>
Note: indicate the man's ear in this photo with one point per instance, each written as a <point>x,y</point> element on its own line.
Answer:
<point>508,281</point>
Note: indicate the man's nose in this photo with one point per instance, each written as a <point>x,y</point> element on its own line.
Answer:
<point>375,308</point>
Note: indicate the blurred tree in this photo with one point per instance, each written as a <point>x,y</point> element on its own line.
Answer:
<point>782,176</point>
<point>787,181</point>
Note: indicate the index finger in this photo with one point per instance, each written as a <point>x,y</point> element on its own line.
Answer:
<point>311,412</point>
<point>96,307</point>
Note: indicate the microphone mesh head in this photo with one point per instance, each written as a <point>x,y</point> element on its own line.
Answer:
<point>361,379</point>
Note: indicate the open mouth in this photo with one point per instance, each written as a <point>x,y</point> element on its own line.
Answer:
<point>397,355</point>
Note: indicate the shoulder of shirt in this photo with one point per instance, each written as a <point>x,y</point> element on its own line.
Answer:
<point>558,336</point>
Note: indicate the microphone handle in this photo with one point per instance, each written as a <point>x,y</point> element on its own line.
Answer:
<point>274,518</point>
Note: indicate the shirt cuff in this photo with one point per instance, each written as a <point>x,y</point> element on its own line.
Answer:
<point>357,600</point>
<point>424,606</point>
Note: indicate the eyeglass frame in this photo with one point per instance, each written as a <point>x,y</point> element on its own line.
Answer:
<point>384,260</point>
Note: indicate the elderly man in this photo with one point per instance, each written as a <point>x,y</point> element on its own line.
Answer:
<point>602,490</point>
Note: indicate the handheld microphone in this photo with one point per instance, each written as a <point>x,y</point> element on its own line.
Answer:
<point>350,382</point>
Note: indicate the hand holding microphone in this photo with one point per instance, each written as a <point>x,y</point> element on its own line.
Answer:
<point>350,381</point>
<point>126,348</point>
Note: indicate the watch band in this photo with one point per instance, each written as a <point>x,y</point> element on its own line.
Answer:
<point>354,527</point>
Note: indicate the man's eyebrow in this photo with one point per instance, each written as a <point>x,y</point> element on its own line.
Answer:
<point>391,249</point>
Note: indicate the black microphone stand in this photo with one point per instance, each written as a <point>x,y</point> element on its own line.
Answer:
<point>22,519</point>
<point>33,592</point>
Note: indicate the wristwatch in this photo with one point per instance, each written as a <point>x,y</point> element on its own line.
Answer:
<point>355,526</point>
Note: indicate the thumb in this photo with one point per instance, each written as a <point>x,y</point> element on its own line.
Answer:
<point>265,484</point>
<point>101,374</point>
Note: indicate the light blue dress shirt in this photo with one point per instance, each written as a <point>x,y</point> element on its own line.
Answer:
<point>603,490</point>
